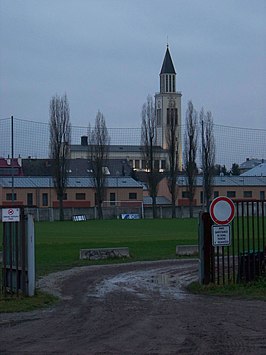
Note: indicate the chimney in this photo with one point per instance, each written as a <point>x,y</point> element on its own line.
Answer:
<point>19,161</point>
<point>84,141</point>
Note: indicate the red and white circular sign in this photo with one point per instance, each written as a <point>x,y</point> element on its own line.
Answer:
<point>10,212</point>
<point>222,210</point>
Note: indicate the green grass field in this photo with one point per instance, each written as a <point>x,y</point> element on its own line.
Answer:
<point>58,243</point>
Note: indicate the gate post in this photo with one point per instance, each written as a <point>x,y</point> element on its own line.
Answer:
<point>206,250</point>
<point>18,252</point>
<point>31,255</point>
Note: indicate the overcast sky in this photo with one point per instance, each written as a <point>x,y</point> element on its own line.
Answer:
<point>107,55</point>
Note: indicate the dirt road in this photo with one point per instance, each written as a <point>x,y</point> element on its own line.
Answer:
<point>139,308</point>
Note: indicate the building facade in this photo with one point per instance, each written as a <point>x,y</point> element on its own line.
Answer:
<point>167,108</point>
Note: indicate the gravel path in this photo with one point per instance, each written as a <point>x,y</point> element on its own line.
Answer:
<point>136,308</point>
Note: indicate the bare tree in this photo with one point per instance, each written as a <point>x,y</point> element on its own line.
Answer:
<point>149,149</point>
<point>99,142</point>
<point>172,141</point>
<point>190,153</point>
<point>60,139</point>
<point>208,156</point>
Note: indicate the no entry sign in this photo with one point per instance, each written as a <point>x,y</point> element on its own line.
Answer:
<point>10,215</point>
<point>222,210</point>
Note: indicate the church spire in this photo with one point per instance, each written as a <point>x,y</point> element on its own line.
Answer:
<point>168,66</point>
<point>167,74</point>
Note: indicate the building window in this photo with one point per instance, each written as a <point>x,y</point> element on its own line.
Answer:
<point>163,164</point>
<point>80,196</point>
<point>162,83</point>
<point>173,83</point>
<point>166,83</point>
<point>262,195</point>
<point>185,194</point>
<point>231,194</point>
<point>247,194</point>
<point>156,164</point>
<point>45,199</point>
<point>144,164</point>
<point>112,198</point>
<point>201,197</point>
<point>29,199</point>
<point>9,196</point>
<point>132,195</point>
<point>159,117</point>
<point>216,194</point>
<point>172,117</point>
<point>136,164</point>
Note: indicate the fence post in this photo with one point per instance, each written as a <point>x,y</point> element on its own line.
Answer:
<point>205,248</point>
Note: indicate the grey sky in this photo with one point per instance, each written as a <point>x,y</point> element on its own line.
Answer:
<point>107,55</point>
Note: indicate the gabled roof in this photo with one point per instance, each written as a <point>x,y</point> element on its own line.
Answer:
<point>47,182</point>
<point>77,167</point>
<point>168,66</point>
<point>6,163</point>
<point>115,148</point>
<point>259,170</point>
<point>234,180</point>
<point>250,163</point>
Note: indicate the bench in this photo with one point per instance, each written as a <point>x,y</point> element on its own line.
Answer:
<point>104,253</point>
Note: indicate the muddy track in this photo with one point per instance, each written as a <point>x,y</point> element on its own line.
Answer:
<point>137,308</point>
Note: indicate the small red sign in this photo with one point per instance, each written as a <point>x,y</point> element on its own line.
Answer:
<point>222,210</point>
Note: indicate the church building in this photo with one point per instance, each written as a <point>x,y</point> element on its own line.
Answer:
<point>168,103</point>
<point>167,108</point>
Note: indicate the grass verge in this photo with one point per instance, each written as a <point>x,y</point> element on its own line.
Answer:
<point>12,303</point>
<point>250,290</point>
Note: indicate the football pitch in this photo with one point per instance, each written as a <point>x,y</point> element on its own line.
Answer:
<point>58,243</point>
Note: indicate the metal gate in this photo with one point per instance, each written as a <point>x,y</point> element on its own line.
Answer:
<point>18,269</point>
<point>244,259</point>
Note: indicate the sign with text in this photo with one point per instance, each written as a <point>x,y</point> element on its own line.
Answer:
<point>10,214</point>
<point>221,235</point>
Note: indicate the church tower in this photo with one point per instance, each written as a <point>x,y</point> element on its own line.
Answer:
<point>168,103</point>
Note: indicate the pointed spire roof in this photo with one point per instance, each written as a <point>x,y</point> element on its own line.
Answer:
<point>168,66</point>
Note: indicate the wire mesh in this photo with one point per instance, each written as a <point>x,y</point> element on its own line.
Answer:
<point>31,139</point>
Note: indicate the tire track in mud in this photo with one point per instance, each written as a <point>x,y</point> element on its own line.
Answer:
<point>135,308</point>
<point>168,281</point>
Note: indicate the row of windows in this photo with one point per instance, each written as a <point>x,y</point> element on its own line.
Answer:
<point>168,83</point>
<point>231,194</point>
<point>79,196</point>
<point>142,164</point>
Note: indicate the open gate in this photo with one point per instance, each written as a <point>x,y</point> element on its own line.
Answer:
<point>244,259</point>
<point>18,268</point>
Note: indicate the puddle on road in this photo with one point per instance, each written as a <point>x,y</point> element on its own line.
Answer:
<point>168,283</point>
<point>165,280</point>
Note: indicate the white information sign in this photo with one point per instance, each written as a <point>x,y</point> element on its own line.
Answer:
<point>10,214</point>
<point>221,235</point>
